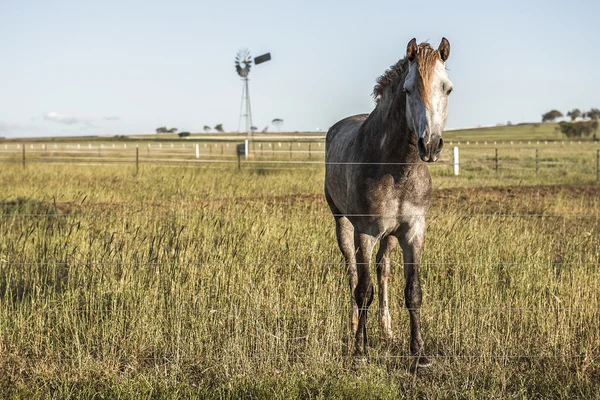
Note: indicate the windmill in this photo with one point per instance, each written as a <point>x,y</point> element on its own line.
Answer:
<point>243,63</point>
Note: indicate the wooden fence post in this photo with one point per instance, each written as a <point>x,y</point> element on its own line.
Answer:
<point>537,162</point>
<point>137,160</point>
<point>23,155</point>
<point>496,160</point>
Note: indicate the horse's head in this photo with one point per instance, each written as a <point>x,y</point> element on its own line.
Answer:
<point>427,87</point>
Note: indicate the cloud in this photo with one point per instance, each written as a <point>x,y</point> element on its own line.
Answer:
<point>63,119</point>
<point>111,118</point>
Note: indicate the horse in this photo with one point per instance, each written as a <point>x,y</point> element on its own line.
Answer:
<point>378,186</point>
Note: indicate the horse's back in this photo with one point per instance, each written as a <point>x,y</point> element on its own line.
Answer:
<point>342,132</point>
<point>339,153</point>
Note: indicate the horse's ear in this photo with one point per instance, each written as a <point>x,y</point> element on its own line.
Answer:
<point>444,49</point>
<point>411,49</point>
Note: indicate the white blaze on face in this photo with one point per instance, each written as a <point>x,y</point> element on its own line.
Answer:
<point>440,89</point>
<point>427,121</point>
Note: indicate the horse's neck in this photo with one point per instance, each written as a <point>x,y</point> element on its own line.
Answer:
<point>386,134</point>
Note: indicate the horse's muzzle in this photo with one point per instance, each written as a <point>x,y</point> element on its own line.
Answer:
<point>431,151</point>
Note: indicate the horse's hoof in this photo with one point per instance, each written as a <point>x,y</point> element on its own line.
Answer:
<point>420,362</point>
<point>359,358</point>
<point>387,335</point>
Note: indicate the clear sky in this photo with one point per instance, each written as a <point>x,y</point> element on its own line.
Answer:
<point>77,67</point>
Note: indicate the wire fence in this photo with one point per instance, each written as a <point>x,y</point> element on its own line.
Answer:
<point>215,358</point>
<point>308,215</point>
<point>202,154</point>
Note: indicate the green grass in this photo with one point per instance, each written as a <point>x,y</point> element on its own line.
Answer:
<point>521,132</point>
<point>194,282</point>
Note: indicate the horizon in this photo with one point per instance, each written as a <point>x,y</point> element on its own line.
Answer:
<point>124,69</point>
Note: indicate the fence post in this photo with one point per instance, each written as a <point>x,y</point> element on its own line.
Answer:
<point>246,149</point>
<point>309,150</point>
<point>455,160</point>
<point>496,160</point>
<point>537,162</point>
<point>137,160</point>
<point>197,151</point>
<point>290,150</point>
<point>23,155</point>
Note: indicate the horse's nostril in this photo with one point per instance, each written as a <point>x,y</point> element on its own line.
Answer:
<point>440,145</point>
<point>421,146</point>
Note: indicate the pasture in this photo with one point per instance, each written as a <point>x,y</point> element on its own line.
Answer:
<point>195,279</point>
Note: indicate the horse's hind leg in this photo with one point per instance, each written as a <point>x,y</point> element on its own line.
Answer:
<point>344,231</point>
<point>388,244</point>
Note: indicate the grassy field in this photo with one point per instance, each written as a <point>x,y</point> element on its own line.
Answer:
<point>200,281</point>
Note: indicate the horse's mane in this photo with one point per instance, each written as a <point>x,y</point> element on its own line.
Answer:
<point>426,58</point>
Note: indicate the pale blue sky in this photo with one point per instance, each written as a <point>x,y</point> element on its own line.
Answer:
<point>128,66</point>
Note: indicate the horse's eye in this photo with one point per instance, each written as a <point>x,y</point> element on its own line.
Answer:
<point>448,92</point>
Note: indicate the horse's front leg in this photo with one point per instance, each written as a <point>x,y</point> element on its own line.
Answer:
<point>345,235</point>
<point>411,242</point>
<point>388,244</point>
<point>363,294</point>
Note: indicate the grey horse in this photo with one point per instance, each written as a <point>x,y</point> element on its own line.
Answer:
<point>378,186</point>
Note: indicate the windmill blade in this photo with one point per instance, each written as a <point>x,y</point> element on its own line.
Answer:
<point>243,62</point>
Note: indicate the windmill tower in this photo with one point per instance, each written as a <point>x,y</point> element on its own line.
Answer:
<point>243,63</point>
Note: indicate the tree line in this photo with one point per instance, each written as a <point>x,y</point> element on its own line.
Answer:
<point>551,116</point>
<point>277,122</point>
<point>576,129</point>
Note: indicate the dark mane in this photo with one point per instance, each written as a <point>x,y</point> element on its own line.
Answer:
<point>426,59</point>
<point>390,78</point>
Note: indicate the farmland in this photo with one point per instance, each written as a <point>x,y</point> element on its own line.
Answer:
<point>186,277</point>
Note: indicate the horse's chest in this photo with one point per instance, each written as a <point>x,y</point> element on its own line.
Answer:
<point>394,202</point>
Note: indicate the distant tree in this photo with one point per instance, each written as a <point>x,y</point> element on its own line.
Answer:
<point>574,114</point>
<point>219,128</point>
<point>183,134</point>
<point>578,129</point>
<point>253,128</point>
<point>266,128</point>
<point>589,127</point>
<point>162,129</point>
<point>172,130</point>
<point>207,128</point>
<point>551,116</point>
<point>594,114</point>
<point>508,123</point>
<point>277,123</point>
<point>569,129</point>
